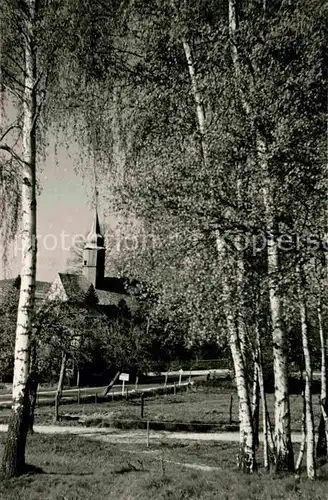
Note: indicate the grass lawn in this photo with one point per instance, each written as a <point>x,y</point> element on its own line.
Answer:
<point>76,468</point>
<point>202,404</point>
<point>206,407</point>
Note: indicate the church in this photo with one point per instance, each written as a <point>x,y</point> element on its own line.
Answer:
<point>111,292</point>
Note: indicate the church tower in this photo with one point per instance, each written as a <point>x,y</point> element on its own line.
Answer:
<point>94,255</point>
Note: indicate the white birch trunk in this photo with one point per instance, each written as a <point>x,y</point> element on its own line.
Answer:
<point>268,442</point>
<point>322,445</point>
<point>266,459</point>
<point>60,385</point>
<point>303,442</point>
<point>240,267</point>
<point>247,450</point>
<point>310,442</point>
<point>283,444</point>
<point>246,458</point>
<point>14,453</point>
<point>256,401</point>
<point>200,112</point>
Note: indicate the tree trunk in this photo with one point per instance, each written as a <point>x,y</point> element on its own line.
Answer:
<point>200,112</point>
<point>266,457</point>
<point>268,442</point>
<point>310,461</point>
<point>240,267</point>
<point>14,453</point>
<point>111,383</point>
<point>33,382</point>
<point>246,457</point>
<point>303,442</point>
<point>60,386</point>
<point>322,443</point>
<point>33,394</point>
<point>283,445</point>
<point>78,377</point>
<point>283,442</point>
<point>256,403</point>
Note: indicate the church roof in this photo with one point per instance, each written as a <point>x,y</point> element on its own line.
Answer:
<point>41,288</point>
<point>73,287</point>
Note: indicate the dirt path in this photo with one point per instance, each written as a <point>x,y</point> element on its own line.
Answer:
<point>112,435</point>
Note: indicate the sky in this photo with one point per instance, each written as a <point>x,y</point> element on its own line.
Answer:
<point>65,209</point>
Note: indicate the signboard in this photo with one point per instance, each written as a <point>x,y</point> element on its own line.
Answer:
<point>124,376</point>
<point>69,369</point>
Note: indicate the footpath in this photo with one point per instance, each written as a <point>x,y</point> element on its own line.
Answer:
<point>111,435</point>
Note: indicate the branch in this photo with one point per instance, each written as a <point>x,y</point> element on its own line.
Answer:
<point>7,148</point>
<point>42,101</point>
<point>12,127</point>
<point>17,64</point>
<point>18,94</point>
<point>9,75</point>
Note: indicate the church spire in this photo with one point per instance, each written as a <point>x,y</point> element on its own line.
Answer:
<point>94,255</point>
<point>95,238</point>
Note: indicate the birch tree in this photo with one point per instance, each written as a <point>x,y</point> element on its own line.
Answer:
<point>246,458</point>
<point>37,42</point>
<point>283,444</point>
<point>14,453</point>
<point>247,113</point>
<point>322,445</point>
<point>309,421</point>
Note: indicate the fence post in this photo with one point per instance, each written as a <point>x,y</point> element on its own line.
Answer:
<point>96,399</point>
<point>230,409</point>
<point>165,381</point>
<point>175,388</point>
<point>142,404</point>
<point>136,384</point>
<point>147,433</point>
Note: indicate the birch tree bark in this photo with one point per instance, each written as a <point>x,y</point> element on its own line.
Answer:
<point>309,421</point>
<point>14,453</point>
<point>246,458</point>
<point>60,386</point>
<point>322,443</point>
<point>303,431</point>
<point>268,441</point>
<point>266,458</point>
<point>256,400</point>
<point>283,443</point>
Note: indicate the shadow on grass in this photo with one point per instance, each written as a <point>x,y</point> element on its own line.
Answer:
<point>127,469</point>
<point>31,469</point>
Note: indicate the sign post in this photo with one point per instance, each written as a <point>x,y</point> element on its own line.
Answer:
<point>125,378</point>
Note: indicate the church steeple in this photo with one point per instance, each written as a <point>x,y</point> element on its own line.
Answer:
<point>94,255</point>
